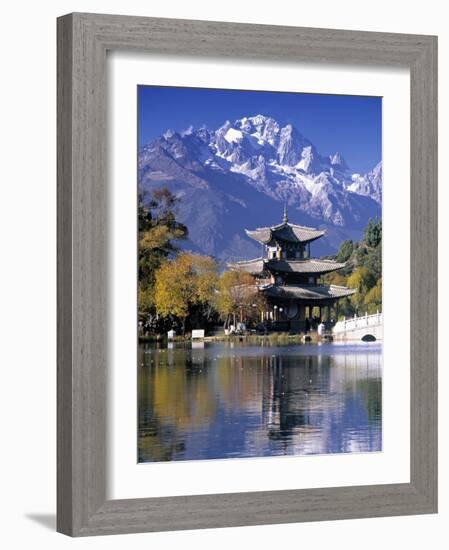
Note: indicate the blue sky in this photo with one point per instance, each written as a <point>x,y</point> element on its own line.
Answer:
<point>351,125</point>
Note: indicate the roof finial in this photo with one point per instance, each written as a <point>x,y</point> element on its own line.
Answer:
<point>285,219</point>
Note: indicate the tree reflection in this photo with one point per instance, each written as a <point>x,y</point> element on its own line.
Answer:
<point>261,403</point>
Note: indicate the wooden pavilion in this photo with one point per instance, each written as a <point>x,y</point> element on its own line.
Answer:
<point>290,277</point>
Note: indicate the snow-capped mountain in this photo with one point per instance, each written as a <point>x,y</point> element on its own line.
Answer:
<point>241,174</point>
<point>368,184</point>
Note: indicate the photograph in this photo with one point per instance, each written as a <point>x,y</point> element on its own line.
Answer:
<point>218,346</point>
<point>259,274</point>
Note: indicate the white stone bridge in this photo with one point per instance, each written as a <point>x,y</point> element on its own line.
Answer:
<point>367,328</point>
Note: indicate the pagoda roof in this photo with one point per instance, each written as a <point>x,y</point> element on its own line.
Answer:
<point>285,231</point>
<point>313,292</point>
<point>255,266</point>
<point>304,266</point>
<point>259,265</point>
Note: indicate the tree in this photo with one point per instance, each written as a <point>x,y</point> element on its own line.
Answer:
<point>373,298</point>
<point>373,261</point>
<point>202,311</point>
<point>238,293</point>
<point>373,233</point>
<point>345,251</point>
<point>362,280</point>
<point>158,233</point>
<point>183,283</point>
<point>363,272</point>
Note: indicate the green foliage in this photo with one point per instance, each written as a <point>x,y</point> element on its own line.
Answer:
<point>183,290</point>
<point>361,254</point>
<point>373,298</point>
<point>373,261</point>
<point>158,229</point>
<point>373,233</point>
<point>345,251</point>
<point>363,280</point>
<point>158,232</point>
<point>176,289</point>
<point>363,272</point>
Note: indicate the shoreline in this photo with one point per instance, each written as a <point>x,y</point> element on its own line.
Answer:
<point>277,338</point>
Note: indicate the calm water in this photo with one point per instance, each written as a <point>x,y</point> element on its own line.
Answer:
<point>220,400</point>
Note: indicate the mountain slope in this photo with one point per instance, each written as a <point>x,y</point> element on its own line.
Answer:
<point>240,176</point>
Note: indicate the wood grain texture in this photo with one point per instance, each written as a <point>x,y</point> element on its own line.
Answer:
<point>64,277</point>
<point>83,40</point>
<point>424,276</point>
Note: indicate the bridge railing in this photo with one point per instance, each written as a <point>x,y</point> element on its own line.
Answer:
<point>353,323</point>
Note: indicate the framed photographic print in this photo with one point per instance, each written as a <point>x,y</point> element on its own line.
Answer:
<point>246,274</point>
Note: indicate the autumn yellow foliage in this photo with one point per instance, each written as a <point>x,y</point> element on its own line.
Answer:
<point>373,298</point>
<point>237,291</point>
<point>187,280</point>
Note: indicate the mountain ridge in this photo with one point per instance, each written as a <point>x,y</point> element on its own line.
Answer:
<point>241,174</point>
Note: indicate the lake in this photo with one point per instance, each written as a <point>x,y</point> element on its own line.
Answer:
<point>230,400</point>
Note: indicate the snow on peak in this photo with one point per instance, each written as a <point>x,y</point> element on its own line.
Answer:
<point>260,119</point>
<point>337,160</point>
<point>377,170</point>
<point>249,122</point>
<point>188,131</point>
<point>263,128</point>
<point>369,184</point>
<point>276,160</point>
<point>244,124</point>
<point>233,136</point>
<point>223,129</point>
<point>291,145</point>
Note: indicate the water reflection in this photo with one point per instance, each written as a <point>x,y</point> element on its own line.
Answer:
<point>218,400</point>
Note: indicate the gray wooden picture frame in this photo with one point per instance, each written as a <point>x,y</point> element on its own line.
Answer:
<point>83,41</point>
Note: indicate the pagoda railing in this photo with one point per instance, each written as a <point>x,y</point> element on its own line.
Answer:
<point>354,323</point>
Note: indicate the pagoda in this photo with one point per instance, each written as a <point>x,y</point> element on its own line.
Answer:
<point>290,278</point>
